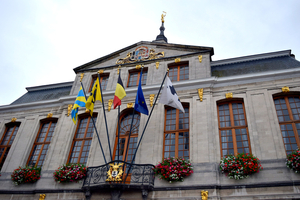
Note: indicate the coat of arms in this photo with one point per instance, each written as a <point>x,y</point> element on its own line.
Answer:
<point>115,172</point>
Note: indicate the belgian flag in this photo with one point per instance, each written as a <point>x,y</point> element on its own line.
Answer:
<point>120,92</point>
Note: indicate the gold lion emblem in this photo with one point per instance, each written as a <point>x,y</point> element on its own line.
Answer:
<point>115,172</point>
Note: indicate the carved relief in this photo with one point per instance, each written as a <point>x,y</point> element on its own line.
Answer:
<point>151,99</point>
<point>110,102</point>
<point>200,93</point>
<point>285,89</point>
<point>69,109</point>
<point>138,56</point>
<point>228,95</point>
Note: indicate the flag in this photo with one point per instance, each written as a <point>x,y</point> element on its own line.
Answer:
<point>140,103</point>
<point>169,96</point>
<point>119,93</point>
<point>79,102</point>
<point>94,96</point>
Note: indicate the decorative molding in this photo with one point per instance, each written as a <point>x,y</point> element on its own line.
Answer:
<point>42,196</point>
<point>228,95</point>
<point>177,60</point>
<point>131,57</point>
<point>200,93</point>
<point>49,115</point>
<point>285,89</point>
<point>157,65</point>
<point>14,119</point>
<point>69,109</point>
<point>200,58</point>
<point>204,195</point>
<point>110,102</point>
<point>151,99</point>
<point>138,66</point>
<point>129,105</point>
<point>100,71</point>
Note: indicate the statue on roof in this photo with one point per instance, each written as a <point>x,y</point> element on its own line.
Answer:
<point>163,17</point>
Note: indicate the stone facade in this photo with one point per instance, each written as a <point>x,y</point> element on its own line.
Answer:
<point>255,88</point>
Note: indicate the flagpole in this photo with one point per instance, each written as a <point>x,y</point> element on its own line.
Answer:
<point>119,132</point>
<point>105,117</point>
<point>146,124</point>
<point>95,127</point>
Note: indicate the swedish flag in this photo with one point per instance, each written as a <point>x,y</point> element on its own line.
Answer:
<point>79,102</point>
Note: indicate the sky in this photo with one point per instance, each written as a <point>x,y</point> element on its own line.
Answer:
<point>42,41</point>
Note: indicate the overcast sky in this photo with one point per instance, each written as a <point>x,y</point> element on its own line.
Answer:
<point>42,41</point>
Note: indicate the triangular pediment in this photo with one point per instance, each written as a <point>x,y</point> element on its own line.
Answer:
<point>143,51</point>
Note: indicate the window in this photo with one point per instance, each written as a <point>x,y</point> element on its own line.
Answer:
<point>7,140</point>
<point>103,81</point>
<point>82,140</point>
<point>179,72</point>
<point>176,136</point>
<point>125,124</point>
<point>233,128</point>
<point>41,144</point>
<point>288,113</point>
<point>134,77</point>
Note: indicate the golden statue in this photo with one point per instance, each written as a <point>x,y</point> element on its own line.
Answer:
<point>163,17</point>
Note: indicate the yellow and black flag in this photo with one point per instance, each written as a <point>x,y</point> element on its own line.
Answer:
<point>94,96</point>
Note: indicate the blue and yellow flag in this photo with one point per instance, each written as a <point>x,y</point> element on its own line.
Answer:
<point>140,103</point>
<point>79,102</point>
<point>94,96</point>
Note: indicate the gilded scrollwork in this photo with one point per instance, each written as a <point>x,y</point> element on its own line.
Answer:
<point>131,59</point>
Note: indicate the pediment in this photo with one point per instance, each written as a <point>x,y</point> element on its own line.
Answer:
<point>143,51</point>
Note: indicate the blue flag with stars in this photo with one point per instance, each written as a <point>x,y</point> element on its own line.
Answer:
<point>140,103</point>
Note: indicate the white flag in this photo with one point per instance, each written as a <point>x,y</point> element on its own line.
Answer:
<point>169,96</point>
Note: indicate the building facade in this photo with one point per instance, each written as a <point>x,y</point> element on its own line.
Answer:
<point>248,104</point>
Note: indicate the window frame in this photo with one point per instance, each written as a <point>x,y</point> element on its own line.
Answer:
<point>42,122</point>
<point>178,65</point>
<point>7,146</point>
<point>177,130</point>
<point>84,139</point>
<point>292,121</point>
<point>232,127</point>
<point>94,78</point>
<point>138,72</point>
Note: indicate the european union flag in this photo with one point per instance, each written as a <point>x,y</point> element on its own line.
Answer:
<point>140,103</point>
<point>79,102</point>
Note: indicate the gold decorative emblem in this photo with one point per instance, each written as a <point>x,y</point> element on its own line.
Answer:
<point>110,102</point>
<point>177,60</point>
<point>163,17</point>
<point>69,109</point>
<point>100,71</point>
<point>138,66</point>
<point>204,195</point>
<point>81,76</point>
<point>42,196</point>
<point>151,99</point>
<point>115,172</point>
<point>200,93</point>
<point>200,58</point>
<point>14,119</point>
<point>285,89</point>
<point>140,54</point>
<point>157,65</point>
<point>49,115</point>
<point>87,110</point>
<point>119,69</point>
<point>228,95</point>
<point>129,105</point>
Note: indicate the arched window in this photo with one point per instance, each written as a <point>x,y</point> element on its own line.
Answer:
<point>7,140</point>
<point>42,142</point>
<point>82,139</point>
<point>233,129</point>
<point>176,134</point>
<point>288,113</point>
<point>125,123</point>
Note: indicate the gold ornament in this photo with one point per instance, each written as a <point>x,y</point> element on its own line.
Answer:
<point>138,66</point>
<point>204,195</point>
<point>163,17</point>
<point>100,71</point>
<point>42,196</point>
<point>151,99</point>
<point>200,58</point>
<point>81,76</point>
<point>129,105</point>
<point>115,172</point>
<point>69,109</point>
<point>177,60</point>
<point>200,93</point>
<point>157,65</point>
<point>14,119</point>
<point>285,89</point>
<point>228,95</point>
<point>110,102</point>
<point>49,115</point>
